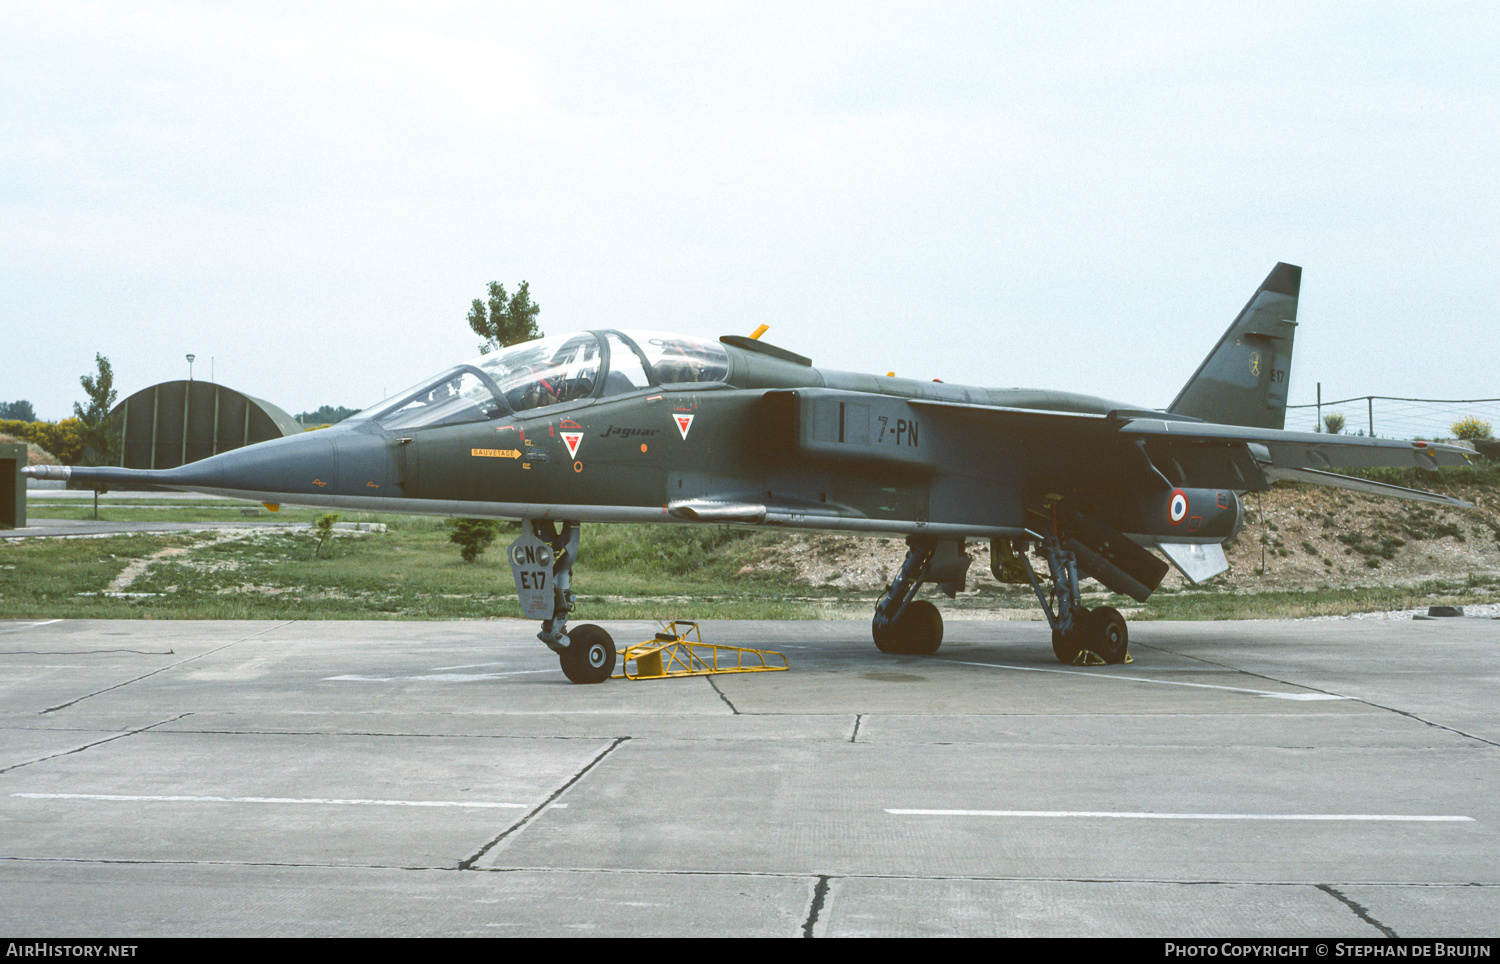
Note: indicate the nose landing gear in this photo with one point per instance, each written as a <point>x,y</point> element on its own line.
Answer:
<point>541,560</point>
<point>902,624</point>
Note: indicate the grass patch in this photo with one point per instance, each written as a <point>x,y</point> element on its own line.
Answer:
<point>410,571</point>
<point>43,579</point>
<point>206,511</point>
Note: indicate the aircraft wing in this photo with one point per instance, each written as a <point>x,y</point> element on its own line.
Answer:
<point>1232,456</point>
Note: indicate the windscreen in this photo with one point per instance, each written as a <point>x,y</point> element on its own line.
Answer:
<point>545,372</point>
<point>460,395</point>
<point>549,371</point>
<point>677,359</point>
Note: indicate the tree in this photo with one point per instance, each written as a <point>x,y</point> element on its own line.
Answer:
<point>100,436</point>
<point>1333,423</point>
<point>505,319</point>
<point>327,415</point>
<point>21,411</point>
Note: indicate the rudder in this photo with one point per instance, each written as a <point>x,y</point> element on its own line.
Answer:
<point>1243,381</point>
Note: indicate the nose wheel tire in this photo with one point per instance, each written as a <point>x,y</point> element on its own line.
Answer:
<point>919,631</point>
<point>590,656</point>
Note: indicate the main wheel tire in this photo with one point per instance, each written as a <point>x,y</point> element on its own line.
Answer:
<point>1065,646</point>
<point>887,635</point>
<point>921,628</point>
<point>1107,634</point>
<point>919,631</point>
<point>590,656</point>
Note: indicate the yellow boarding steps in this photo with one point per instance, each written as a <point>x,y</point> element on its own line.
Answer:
<point>679,650</point>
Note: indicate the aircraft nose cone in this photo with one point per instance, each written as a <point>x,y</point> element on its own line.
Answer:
<point>284,465</point>
<point>325,462</point>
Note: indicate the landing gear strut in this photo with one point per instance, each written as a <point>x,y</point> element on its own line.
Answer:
<point>542,563</point>
<point>1079,635</point>
<point>903,624</point>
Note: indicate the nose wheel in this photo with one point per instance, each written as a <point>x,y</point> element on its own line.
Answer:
<point>590,656</point>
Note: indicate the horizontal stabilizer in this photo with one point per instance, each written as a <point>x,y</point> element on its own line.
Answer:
<point>1297,450</point>
<point>1365,486</point>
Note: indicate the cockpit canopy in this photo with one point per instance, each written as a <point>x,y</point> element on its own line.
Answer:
<point>552,371</point>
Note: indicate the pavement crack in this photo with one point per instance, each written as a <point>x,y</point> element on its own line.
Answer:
<point>86,652</point>
<point>820,894</point>
<point>468,863</point>
<point>1439,726</point>
<point>1353,699</point>
<point>86,746</point>
<point>1360,911</point>
<point>858,719</point>
<point>721,695</point>
<point>163,669</point>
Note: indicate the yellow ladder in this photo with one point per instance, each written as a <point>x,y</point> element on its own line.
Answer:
<point>679,650</point>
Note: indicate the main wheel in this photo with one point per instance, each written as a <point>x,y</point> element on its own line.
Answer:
<point>590,656</point>
<point>887,635</point>
<point>1066,646</point>
<point>1106,634</point>
<point>922,628</point>
<point>919,631</point>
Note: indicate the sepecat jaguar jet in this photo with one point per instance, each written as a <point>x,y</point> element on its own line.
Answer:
<point>643,426</point>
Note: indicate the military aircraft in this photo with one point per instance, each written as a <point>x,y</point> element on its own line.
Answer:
<point>643,426</point>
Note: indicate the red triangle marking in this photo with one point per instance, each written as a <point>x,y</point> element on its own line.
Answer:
<point>571,440</point>
<point>684,422</point>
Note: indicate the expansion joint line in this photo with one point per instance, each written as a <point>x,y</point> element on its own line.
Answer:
<point>1360,911</point>
<point>108,739</point>
<point>468,862</point>
<point>1255,675</point>
<point>181,662</point>
<point>820,894</point>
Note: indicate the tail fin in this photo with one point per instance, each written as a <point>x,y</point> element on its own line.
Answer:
<point>1243,381</point>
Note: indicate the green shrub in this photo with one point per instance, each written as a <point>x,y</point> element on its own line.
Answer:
<point>1471,429</point>
<point>324,528</point>
<point>472,536</point>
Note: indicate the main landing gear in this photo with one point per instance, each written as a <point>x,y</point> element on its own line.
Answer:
<point>542,563</point>
<point>1079,636</point>
<point>914,627</point>
<point>903,624</point>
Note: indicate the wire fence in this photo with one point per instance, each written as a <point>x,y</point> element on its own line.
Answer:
<point>1389,417</point>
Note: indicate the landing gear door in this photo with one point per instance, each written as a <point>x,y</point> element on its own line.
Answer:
<point>531,563</point>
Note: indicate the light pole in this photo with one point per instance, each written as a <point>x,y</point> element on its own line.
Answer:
<point>190,366</point>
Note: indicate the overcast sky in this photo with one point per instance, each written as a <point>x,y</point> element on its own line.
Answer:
<point>1075,196</point>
